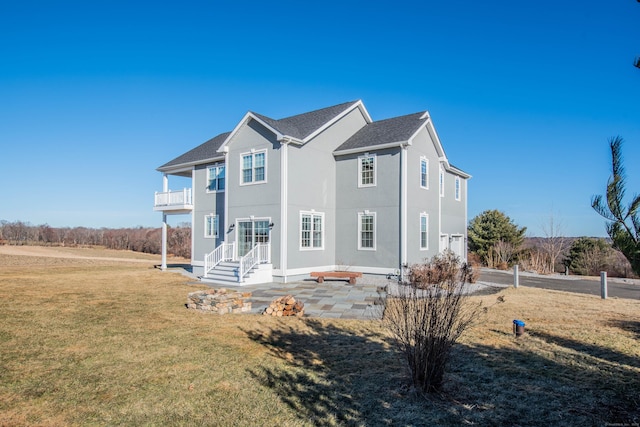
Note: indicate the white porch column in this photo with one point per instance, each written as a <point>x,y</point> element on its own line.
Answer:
<point>163,266</point>
<point>165,182</point>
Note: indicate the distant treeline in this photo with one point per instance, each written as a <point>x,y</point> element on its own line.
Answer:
<point>140,239</point>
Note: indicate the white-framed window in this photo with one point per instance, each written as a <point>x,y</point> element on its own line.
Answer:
<point>367,170</point>
<point>367,231</point>
<point>253,167</point>
<point>424,231</point>
<point>424,172</point>
<point>211,226</point>
<point>311,230</point>
<point>216,178</point>
<point>457,190</point>
<point>441,182</point>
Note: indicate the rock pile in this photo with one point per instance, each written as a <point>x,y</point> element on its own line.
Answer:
<point>219,301</point>
<point>285,306</point>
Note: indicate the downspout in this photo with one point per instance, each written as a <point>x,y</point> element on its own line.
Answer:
<point>466,182</point>
<point>440,193</point>
<point>225,152</point>
<point>403,208</point>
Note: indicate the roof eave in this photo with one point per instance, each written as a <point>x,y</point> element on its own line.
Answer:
<point>181,167</point>
<point>244,120</point>
<point>357,104</point>
<point>370,148</point>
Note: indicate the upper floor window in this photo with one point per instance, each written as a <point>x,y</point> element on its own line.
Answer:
<point>253,167</point>
<point>211,226</point>
<point>311,230</point>
<point>424,172</point>
<point>367,170</point>
<point>215,178</point>
<point>457,190</point>
<point>441,182</point>
<point>367,231</point>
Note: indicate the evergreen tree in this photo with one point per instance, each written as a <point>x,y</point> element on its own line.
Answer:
<point>624,225</point>
<point>489,228</point>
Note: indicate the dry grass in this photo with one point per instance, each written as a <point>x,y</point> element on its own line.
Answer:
<point>98,342</point>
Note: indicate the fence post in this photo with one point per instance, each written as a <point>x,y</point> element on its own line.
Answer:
<point>603,284</point>
<point>516,278</point>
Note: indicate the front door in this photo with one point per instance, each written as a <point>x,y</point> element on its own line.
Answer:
<point>251,232</point>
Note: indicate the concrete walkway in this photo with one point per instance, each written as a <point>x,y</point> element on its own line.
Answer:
<point>333,298</point>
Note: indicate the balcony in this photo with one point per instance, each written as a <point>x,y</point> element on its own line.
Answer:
<point>173,202</point>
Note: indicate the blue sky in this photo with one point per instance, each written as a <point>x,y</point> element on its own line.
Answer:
<point>94,96</point>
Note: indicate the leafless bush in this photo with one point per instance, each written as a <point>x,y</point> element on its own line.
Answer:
<point>428,315</point>
<point>501,255</point>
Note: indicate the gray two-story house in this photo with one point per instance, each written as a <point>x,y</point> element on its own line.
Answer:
<point>331,189</point>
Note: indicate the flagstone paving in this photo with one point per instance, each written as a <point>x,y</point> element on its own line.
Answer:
<point>331,299</point>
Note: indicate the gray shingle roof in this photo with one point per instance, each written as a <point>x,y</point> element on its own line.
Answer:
<point>207,150</point>
<point>396,129</point>
<point>299,126</point>
<point>302,125</point>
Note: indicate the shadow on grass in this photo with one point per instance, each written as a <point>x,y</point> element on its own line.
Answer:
<point>606,355</point>
<point>535,385</point>
<point>334,375</point>
<point>627,325</point>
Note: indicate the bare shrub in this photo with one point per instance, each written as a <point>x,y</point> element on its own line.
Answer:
<point>427,316</point>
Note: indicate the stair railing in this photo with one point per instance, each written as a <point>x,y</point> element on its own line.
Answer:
<point>260,254</point>
<point>224,252</point>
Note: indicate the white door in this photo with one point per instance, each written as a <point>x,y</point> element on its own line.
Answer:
<point>456,246</point>
<point>251,232</point>
<point>444,242</point>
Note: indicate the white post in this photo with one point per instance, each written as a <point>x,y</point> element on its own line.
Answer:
<point>163,266</point>
<point>603,284</point>
<point>516,278</point>
<point>165,183</point>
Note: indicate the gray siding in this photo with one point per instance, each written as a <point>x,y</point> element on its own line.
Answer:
<point>421,200</point>
<point>383,199</point>
<point>312,185</point>
<point>205,203</point>
<point>258,200</point>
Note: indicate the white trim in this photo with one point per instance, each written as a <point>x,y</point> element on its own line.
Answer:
<point>355,268</point>
<point>226,198</point>
<point>284,204</point>
<point>375,170</point>
<point>426,216</point>
<point>369,148</point>
<point>403,205</point>
<point>216,230</point>
<point>217,165</point>
<point>184,167</point>
<point>193,215</point>
<point>242,122</point>
<point>253,153</point>
<point>355,105</point>
<point>311,214</point>
<point>426,161</point>
<point>360,215</point>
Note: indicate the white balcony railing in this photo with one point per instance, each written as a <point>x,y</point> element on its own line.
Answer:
<point>173,200</point>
